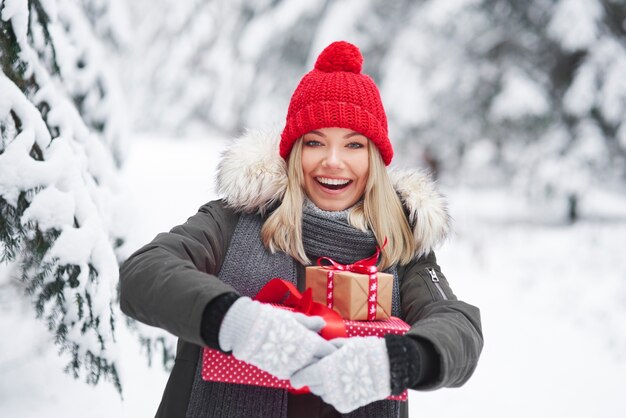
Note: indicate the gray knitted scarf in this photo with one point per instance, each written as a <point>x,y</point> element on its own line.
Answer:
<point>248,266</point>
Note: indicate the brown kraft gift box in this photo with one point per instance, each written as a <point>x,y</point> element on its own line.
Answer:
<point>350,292</point>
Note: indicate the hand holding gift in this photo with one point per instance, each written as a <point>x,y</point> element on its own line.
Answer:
<point>274,340</point>
<point>217,366</point>
<point>353,376</point>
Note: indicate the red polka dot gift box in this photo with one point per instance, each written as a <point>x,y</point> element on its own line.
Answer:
<point>220,367</point>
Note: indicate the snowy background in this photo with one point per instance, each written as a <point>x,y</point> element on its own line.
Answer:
<point>552,297</point>
<point>113,115</point>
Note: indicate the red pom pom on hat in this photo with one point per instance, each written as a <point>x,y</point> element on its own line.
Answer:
<point>336,95</point>
<point>340,56</point>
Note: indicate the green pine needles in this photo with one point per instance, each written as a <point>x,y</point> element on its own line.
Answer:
<point>44,134</point>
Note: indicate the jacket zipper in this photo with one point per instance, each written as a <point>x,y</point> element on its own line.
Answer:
<point>435,279</point>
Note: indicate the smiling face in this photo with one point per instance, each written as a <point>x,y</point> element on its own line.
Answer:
<point>335,165</point>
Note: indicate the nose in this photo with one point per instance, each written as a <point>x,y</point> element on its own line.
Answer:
<point>333,158</point>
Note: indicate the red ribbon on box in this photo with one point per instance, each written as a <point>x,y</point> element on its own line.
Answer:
<point>274,292</point>
<point>364,266</point>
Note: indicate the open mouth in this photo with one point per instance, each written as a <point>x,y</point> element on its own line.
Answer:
<point>333,184</point>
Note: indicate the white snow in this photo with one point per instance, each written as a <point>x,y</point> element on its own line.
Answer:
<point>73,178</point>
<point>17,12</point>
<point>13,99</point>
<point>600,82</point>
<point>552,298</point>
<point>613,93</point>
<point>440,13</point>
<point>581,95</point>
<point>575,23</point>
<point>274,22</point>
<point>406,95</point>
<point>19,171</point>
<point>39,209</point>
<point>621,135</point>
<point>520,96</point>
<point>338,24</point>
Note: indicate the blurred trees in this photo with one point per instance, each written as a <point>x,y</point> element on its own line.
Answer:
<point>506,92</point>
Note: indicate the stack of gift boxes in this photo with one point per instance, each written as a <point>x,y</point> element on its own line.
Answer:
<point>358,293</point>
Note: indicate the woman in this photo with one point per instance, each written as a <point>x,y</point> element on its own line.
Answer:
<point>326,192</point>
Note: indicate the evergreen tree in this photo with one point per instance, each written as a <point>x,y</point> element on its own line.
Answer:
<point>523,92</point>
<point>60,149</point>
<point>572,53</point>
<point>213,64</point>
<point>484,91</point>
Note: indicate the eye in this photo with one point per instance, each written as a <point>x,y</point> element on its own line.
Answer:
<point>355,145</point>
<point>312,143</point>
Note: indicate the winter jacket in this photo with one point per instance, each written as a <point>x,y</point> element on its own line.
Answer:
<point>169,282</point>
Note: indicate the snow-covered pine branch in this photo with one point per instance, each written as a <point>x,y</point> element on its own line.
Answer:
<point>60,149</point>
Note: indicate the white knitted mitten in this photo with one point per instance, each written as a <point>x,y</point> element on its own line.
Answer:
<point>275,340</point>
<point>353,376</point>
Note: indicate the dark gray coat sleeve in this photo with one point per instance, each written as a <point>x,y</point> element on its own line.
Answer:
<point>453,327</point>
<point>168,282</point>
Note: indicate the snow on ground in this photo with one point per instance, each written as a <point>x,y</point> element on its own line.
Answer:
<point>552,297</point>
<point>553,305</point>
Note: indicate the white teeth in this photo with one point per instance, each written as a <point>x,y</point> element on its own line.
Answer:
<point>332,182</point>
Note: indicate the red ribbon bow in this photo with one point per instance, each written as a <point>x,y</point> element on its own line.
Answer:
<point>274,292</point>
<point>364,266</point>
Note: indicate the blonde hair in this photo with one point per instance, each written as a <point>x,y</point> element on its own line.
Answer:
<point>380,211</point>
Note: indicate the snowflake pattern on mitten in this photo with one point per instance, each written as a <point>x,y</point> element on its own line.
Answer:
<point>354,376</point>
<point>278,343</point>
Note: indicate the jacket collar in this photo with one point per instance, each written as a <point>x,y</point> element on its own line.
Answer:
<point>252,178</point>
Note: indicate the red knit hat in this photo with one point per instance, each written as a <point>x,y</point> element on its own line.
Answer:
<point>336,95</point>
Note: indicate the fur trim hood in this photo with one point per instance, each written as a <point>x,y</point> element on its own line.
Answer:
<point>252,177</point>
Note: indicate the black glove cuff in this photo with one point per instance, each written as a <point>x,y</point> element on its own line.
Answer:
<point>412,362</point>
<point>212,318</point>
<point>404,362</point>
